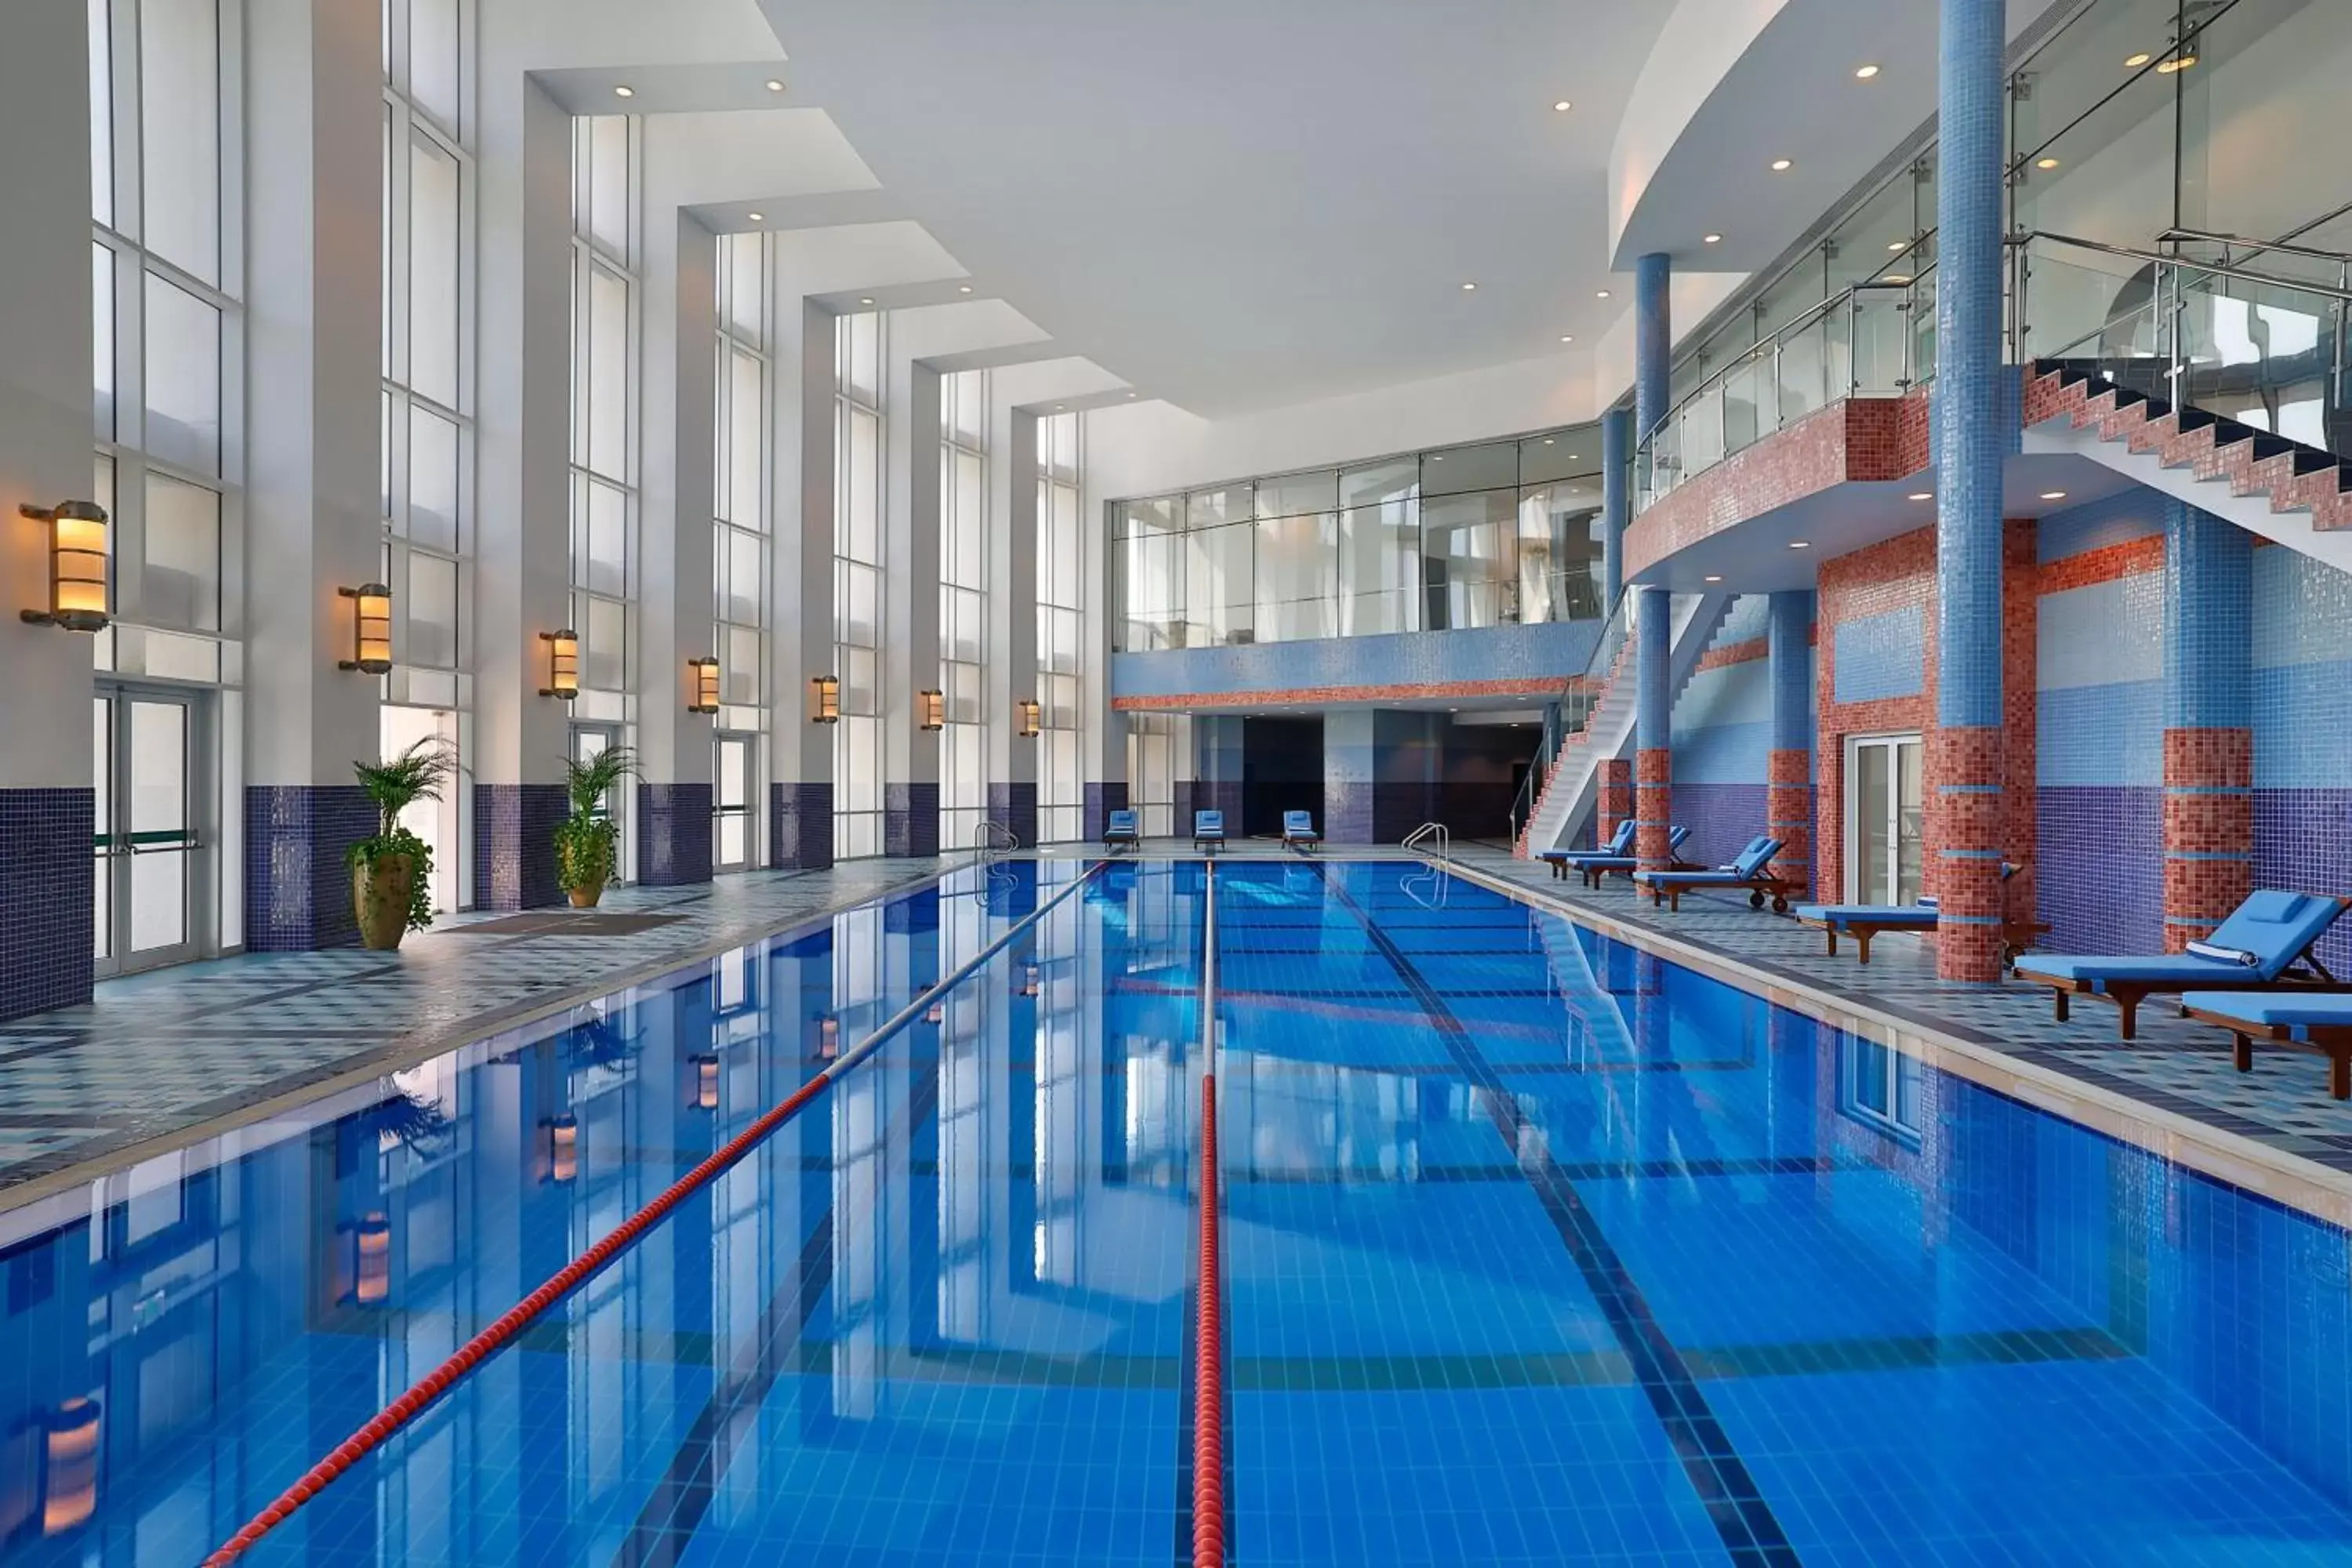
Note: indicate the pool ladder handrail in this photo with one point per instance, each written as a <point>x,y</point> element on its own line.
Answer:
<point>1429,833</point>
<point>994,841</point>
<point>1432,879</point>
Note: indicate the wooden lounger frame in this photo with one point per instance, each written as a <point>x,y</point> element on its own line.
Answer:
<point>2333,1041</point>
<point>2016,935</point>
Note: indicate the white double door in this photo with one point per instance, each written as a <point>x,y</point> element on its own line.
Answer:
<point>1886,818</point>
<point>155,858</point>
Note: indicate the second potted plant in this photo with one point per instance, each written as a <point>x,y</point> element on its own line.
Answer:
<point>392,870</point>
<point>587,843</point>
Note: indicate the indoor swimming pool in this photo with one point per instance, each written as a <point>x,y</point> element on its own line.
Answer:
<point>1535,1249</point>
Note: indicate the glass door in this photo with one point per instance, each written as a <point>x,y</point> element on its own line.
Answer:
<point>146,838</point>
<point>1886,818</point>
<point>732,840</point>
<point>588,742</point>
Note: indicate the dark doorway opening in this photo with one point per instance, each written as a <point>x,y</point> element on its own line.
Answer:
<point>1282,770</point>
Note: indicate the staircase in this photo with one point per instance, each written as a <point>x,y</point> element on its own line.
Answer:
<point>1572,785</point>
<point>2116,413</point>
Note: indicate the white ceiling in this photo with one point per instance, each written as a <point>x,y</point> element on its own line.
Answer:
<point>1237,206</point>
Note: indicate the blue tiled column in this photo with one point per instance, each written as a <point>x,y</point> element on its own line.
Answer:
<point>2209,738</point>
<point>298,884</point>
<point>1350,744</point>
<point>800,829</point>
<point>1653,341</point>
<point>1789,795</point>
<point>1966,763</point>
<point>514,845</point>
<point>673,834</point>
<point>1653,771</point>
<point>1616,502</point>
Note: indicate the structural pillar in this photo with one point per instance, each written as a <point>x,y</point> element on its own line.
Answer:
<point>1654,758</point>
<point>1011,672</point>
<point>47,881</point>
<point>1789,770</point>
<point>1654,341</point>
<point>2209,740</point>
<point>1616,502</point>
<point>1615,801</point>
<point>1966,763</point>
<point>799,804</point>
<point>910,611</point>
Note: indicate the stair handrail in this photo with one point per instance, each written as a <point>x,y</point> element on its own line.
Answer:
<point>2022,243</point>
<point>1571,713</point>
<point>2177,235</point>
<point>1429,833</point>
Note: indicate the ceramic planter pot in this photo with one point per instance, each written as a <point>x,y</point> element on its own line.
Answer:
<point>380,890</point>
<point>584,896</point>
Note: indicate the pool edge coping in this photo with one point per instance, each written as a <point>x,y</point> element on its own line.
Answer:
<point>2278,1174</point>
<point>408,1051</point>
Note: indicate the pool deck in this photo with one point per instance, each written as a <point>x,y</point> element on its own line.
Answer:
<point>163,1059</point>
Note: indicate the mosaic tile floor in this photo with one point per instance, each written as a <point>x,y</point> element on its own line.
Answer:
<point>157,1053</point>
<point>2175,1065</point>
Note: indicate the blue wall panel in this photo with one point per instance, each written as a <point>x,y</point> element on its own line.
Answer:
<point>1551,651</point>
<point>1883,656</point>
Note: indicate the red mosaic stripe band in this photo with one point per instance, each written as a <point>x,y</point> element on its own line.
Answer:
<point>2128,558</point>
<point>2209,829</point>
<point>2209,758</point>
<point>1653,809</point>
<point>1616,798</point>
<point>1789,769</point>
<point>1746,652</point>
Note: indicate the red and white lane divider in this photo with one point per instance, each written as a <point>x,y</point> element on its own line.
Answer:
<point>1208,1359</point>
<point>570,1277</point>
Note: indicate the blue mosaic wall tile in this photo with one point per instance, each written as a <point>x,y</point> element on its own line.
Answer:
<point>673,834</point>
<point>2099,868</point>
<point>1541,652</point>
<point>2100,735</point>
<point>298,884</point>
<point>2303,840</point>
<point>1348,811</point>
<point>2207,621</point>
<point>1722,817</point>
<point>2306,610</point>
<point>2132,513</point>
<point>800,823</point>
<point>514,845</point>
<point>48,898</point>
<point>1182,795</point>
<point>2303,725</point>
<point>2102,633</point>
<point>1882,656</point>
<point>910,818</point>
<point>1015,807</point>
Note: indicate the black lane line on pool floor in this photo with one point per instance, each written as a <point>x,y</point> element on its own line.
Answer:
<point>680,1499</point>
<point>1742,1517</point>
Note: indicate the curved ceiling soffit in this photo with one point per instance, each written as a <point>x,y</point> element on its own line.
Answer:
<point>1702,41</point>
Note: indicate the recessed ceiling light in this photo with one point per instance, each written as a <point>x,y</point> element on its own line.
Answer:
<point>625,92</point>
<point>2045,162</point>
<point>1898,277</point>
<point>1864,73</point>
<point>1467,287</point>
<point>1130,395</point>
<point>775,86</point>
<point>2177,63</point>
<point>757,217</point>
<point>964,288</point>
<point>1601,293</point>
<point>1710,240</point>
<point>1898,245</point>
<point>2054,495</point>
<point>1781,165</point>
<point>1061,409</point>
<point>1548,440</point>
<point>2134,62</point>
<point>1568,337</point>
<point>1801,544</point>
<point>1715,579</point>
<point>867,299</point>
<point>1438,457</point>
<point>1923,495</point>
<point>1561,106</point>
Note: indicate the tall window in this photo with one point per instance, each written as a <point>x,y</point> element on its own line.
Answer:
<point>963,606</point>
<point>1061,548</point>
<point>1154,743</point>
<point>427,487</point>
<point>857,583</point>
<point>604,471</point>
<point>739,544</point>
<point>167,371</point>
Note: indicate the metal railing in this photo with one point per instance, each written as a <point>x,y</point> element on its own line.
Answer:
<point>994,841</point>
<point>1430,833</point>
<point>1571,713</point>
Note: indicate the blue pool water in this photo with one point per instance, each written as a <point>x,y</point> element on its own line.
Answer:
<point>1536,1249</point>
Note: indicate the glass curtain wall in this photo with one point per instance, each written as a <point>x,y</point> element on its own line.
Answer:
<point>1154,743</point>
<point>1061,572</point>
<point>739,544</point>
<point>604,515</point>
<point>963,606</point>
<point>857,561</point>
<point>1501,533</point>
<point>167,376</point>
<point>427,474</point>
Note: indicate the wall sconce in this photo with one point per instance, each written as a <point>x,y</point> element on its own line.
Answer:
<point>370,629</point>
<point>563,664</point>
<point>562,1147</point>
<point>828,1038</point>
<point>69,1466</point>
<point>1032,719</point>
<point>702,677</point>
<point>706,1083</point>
<point>938,1014</point>
<point>932,710</point>
<point>78,596</point>
<point>1033,981</point>
<point>372,1261</point>
<point>825,699</point>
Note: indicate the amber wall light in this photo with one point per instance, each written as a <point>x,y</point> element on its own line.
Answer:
<point>69,1466</point>
<point>1032,718</point>
<point>932,710</point>
<point>825,699</point>
<point>78,596</point>
<point>370,628</point>
<point>702,680</point>
<point>563,664</point>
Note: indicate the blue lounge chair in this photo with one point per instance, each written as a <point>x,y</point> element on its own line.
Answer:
<point>1747,869</point>
<point>1595,867</point>
<point>2317,1022</point>
<point>1864,921</point>
<point>1620,843</point>
<point>1119,831</point>
<point>1298,829</point>
<point>1209,830</point>
<point>2264,946</point>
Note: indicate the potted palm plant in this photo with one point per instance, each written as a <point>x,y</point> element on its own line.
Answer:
<point>392,872</point>
<point>588,842</point>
